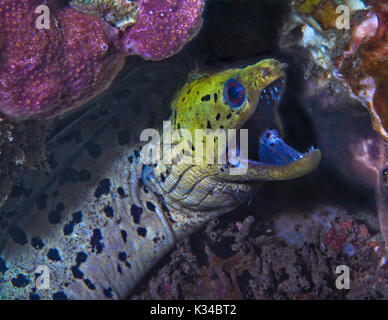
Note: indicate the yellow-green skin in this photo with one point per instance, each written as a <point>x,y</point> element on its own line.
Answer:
<point>120,13</point>
<point>194,112</point>
<point>201,105</point>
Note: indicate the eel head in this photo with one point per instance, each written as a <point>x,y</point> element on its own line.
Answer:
<point>238,99</point>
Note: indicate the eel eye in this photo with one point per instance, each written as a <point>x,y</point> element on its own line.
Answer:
<point>234,94</point>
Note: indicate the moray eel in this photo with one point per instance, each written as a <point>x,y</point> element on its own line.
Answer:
<point>100,225</point>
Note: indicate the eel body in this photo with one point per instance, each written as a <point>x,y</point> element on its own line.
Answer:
<point>102,221</point>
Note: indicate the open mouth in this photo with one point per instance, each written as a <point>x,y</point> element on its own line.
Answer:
<point>273,150</point>
<point>263,119</point>
<point>268,156</point>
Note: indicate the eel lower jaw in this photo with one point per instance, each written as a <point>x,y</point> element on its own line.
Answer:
<point>277,161</point>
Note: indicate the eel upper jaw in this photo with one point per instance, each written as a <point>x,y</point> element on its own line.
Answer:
<point>274,159</point>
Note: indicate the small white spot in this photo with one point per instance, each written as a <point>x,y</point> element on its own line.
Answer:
<point>10,136</point>
<point>383,261</point>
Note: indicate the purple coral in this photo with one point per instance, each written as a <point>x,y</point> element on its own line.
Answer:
<point>46,72</point>
<point>163,27</point>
